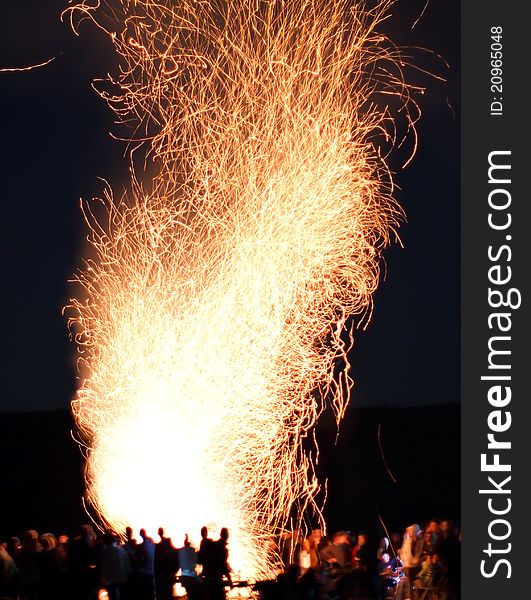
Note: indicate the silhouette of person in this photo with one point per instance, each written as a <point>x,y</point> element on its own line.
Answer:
<point>187,563</point>
<point>8,574</point>
<point>166,564</point>
<point>130,544</point>
<point>115,567</point>
<point>53,569</point>
<point>28,565</point>
<point>83,565</point>
<point>129,591</point>
<point>203,554</point>
<point>217,567</point>
<point>145,561</point>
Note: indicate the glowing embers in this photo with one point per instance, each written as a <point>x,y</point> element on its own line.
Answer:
<point>210,320</point>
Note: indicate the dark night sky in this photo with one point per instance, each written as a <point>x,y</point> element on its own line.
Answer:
<point>55,145</point>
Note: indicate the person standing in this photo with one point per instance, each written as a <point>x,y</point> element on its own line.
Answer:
<point>145,552</point>
<point>166,564</point>
<point>411,551</point>
<point>28,565</point>
<point>53,569</point>
<point>83,565</point>
<point>115,567</point>
<point>130,592</point>
<point>216,569</point>
<point>8,574</point>
<point>410,554</point>
<point>203,554</point>
<point>187,563</point>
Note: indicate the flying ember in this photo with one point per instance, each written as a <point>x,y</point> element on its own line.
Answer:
<point>214,309</point>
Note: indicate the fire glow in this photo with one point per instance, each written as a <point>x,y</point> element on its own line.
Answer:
<point>209,321</point>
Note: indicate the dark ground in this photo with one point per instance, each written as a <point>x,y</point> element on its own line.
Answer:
<point>41,474</point>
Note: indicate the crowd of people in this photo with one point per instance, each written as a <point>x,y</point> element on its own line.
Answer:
<point>421,564</point>
<point>47,567</point>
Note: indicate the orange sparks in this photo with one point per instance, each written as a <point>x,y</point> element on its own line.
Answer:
<point>210,319</point>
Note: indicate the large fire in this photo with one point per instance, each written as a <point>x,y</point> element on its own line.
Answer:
<point>212,315</point>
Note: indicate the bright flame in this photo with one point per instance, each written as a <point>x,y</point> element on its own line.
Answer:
<point>211,318</point>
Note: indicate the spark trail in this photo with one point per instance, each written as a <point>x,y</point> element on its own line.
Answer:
<point>209,320</point>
